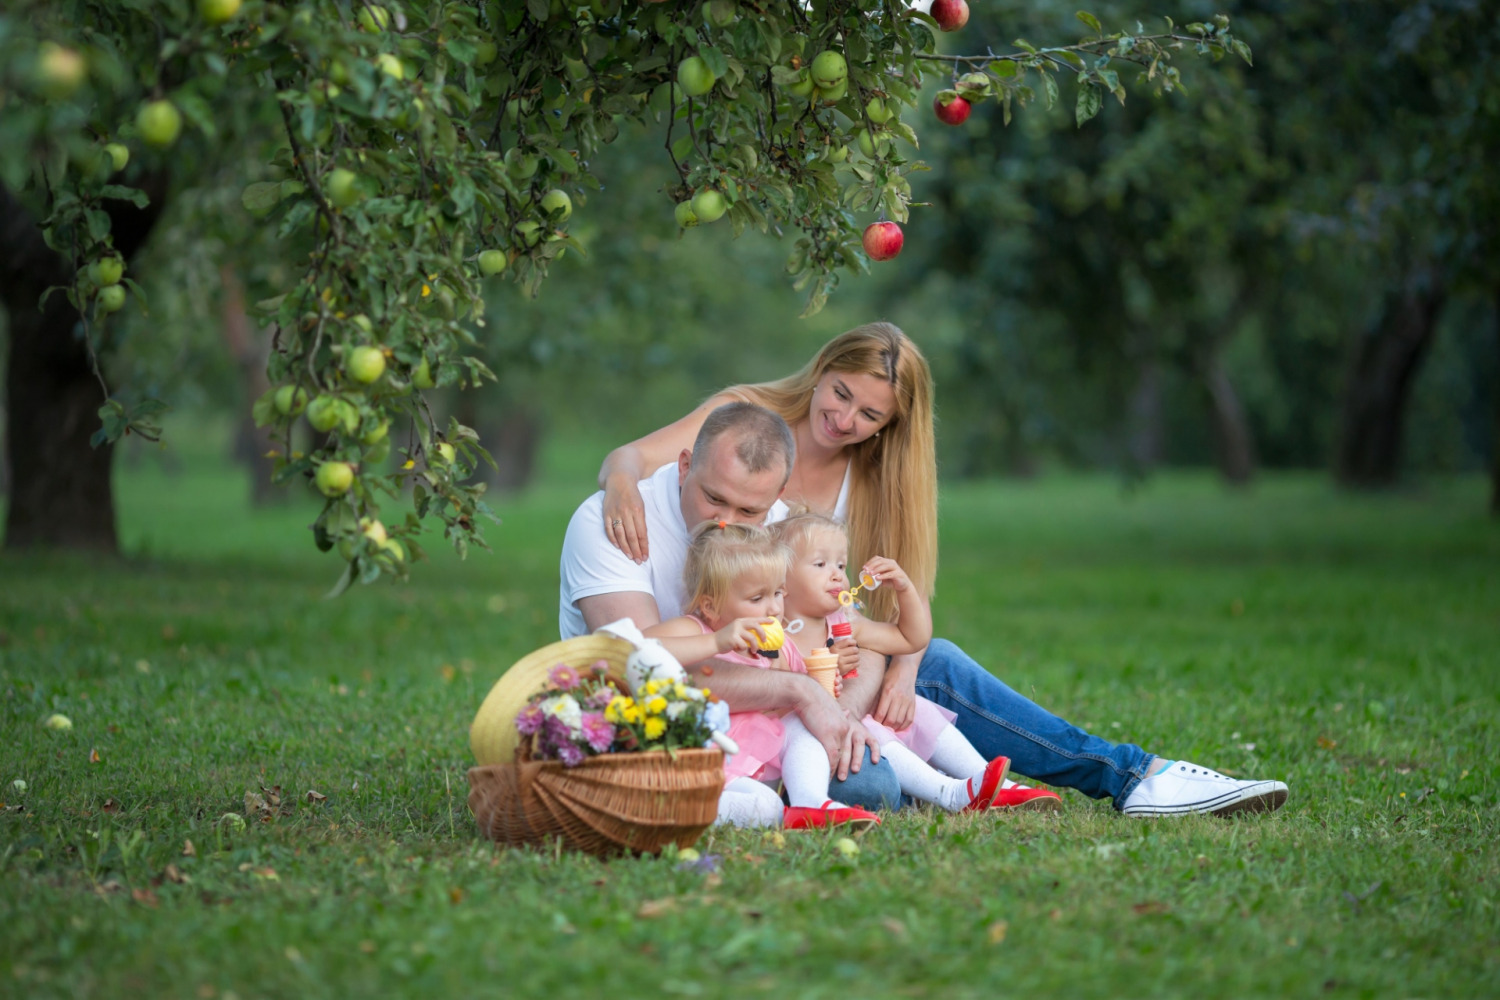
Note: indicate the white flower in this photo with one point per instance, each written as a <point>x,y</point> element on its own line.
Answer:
<point>693,694</point>
<point>564,707</point>
<point>675,709</point>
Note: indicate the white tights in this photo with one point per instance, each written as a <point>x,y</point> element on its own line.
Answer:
<point>747,802</point>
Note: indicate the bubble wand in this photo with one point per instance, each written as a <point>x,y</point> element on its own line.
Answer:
<point>867,581</point>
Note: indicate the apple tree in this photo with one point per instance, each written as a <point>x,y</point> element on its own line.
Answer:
<point>410,153</point>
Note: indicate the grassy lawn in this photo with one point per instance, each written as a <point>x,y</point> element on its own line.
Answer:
<point>1347,646</point>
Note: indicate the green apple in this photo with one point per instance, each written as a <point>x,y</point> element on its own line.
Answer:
<point>829,69</point>
<point>323,413</point>
<point>394,549</point>
<point>685,216</point>
<point>443,453</point>
<point>491,262</point>
<point>340,187</point>
<point>373,530</point>
<point>106,271</point>
<point>391,66</point>
<point>720,13</point>
<point>484,54</point>
<point>366,364</point>
<point>118,155</point>
<point>834,94</point>
<point>694,76</point>
<point>709,205</point>
<point>411,116</point>
<point>836,153</point>
<point>290,400</point>
<point>557,205</point>
<point>111,299</point>
<point>373,19</point>
<point>378,434</point>
<point>876,111</point>
<point>529,232</point>
<point>334,478</point>
<point>421,376</point>
<point>803,86</point>
<point>59,71</point>
<point>363,322</point>
<point>59,722</point>
<point>218,11</point>
<point>521,166</point>
<point>159,123</point>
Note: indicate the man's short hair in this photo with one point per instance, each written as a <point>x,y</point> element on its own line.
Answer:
<point>763,437</point>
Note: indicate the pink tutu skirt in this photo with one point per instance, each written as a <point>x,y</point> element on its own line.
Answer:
<point>921,736</point>
<point>759,737</point>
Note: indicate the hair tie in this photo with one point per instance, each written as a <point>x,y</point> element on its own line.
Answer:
<point>723,525</point>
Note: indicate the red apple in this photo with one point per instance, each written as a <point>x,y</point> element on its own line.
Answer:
<point>950,14</point>
<point>883,240</point>
<point>955,111</point>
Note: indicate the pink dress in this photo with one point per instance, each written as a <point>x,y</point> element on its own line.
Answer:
<point>759,734</point>
<point>928,724</point>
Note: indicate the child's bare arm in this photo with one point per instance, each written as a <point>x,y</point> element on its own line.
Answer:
<point>912,630</point>
<point>685,640</point>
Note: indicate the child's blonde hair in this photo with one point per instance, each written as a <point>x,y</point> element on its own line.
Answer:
<point>802,524</point>
<point>721,553</point>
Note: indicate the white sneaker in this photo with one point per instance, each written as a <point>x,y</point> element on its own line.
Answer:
<point>1188,788</point>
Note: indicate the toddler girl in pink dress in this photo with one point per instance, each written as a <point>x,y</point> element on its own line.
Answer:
<point>932,759</point>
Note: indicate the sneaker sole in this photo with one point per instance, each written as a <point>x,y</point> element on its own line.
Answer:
<point>1267,799</point>
<point>1037,805</point>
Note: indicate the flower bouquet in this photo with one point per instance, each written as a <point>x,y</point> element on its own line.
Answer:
<point>581,714</point>
<point>608,759</point>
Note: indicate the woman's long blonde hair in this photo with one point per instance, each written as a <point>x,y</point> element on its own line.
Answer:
<point>893,486</point>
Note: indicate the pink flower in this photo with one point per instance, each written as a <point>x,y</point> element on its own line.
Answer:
<point>599,733</point>
<point>563,677</point>
<point>570,754</point>
<point>602,697</point>
<point>530,720</point>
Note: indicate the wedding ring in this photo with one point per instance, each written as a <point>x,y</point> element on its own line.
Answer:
<point>616,522</point>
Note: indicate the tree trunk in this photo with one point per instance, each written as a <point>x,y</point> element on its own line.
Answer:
<point>1144,421</point>
<point>1495,446</point>
<point>250,353</point>
<point>1233,439</point>
<point>60,485</point>
<point>1386,363</point>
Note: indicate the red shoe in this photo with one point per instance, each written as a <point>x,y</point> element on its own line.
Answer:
<point>1029,799</point>
<point>804,818</point>
<point>989,785</point>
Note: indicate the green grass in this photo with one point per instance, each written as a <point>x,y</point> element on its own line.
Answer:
<point>1353,642</point>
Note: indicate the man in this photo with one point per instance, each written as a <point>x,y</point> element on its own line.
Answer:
<point>736,471</point>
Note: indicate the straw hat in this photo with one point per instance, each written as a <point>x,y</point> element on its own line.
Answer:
<point>493,735</point>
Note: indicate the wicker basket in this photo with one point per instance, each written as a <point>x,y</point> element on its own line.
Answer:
<point>611,804</point>
<point>608,805</point>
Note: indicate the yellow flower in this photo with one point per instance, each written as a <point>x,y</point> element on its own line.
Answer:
<point>654,728</point>
<point>632,713</point>
<point>617,709</point>
<point>656,705</point>
<point>679,690</point>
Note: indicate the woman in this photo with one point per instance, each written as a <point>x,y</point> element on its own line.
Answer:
<point>861,415</point>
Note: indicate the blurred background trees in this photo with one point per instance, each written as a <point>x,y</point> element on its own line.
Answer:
<point>1294,265</point>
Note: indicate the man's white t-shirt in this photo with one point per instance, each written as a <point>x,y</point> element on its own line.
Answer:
<point>591,565</point>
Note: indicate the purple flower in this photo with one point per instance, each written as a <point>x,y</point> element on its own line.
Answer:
<point>602,697</point>
<point>599,733</point>
<point>530,720</point>
<point>563,677</point>
<point>570,755</point>
<point>555,730</point>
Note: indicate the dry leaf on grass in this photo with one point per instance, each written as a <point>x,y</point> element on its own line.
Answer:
<point>316,796</point>
<point>997,931</point>
<point>1151,907</point>
<point>175,875</point>
<point>111,805</point>
<point>188,850</point>
<point>93,755</point>
<point>652,908</point>
<point>145,897</point>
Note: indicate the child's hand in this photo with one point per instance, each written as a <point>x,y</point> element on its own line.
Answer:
<point>743,635</point>
<point>848,654</point>
<point>887,572</point>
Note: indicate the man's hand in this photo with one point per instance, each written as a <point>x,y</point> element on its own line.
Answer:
<point>842,736</point>
<point>897,707</point>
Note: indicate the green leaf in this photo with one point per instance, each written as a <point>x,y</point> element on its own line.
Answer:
<point>1003,68</point>
<point>1088,102</point>
<point>261,196</point>
<point>1049,84</point>
<point>138,198</point>
<point>1242,50</point>
<point>717,63</point>
<point>1091,21</point>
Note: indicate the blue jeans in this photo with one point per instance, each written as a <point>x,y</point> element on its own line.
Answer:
<point>874,787</point>
<point>998,721</point>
